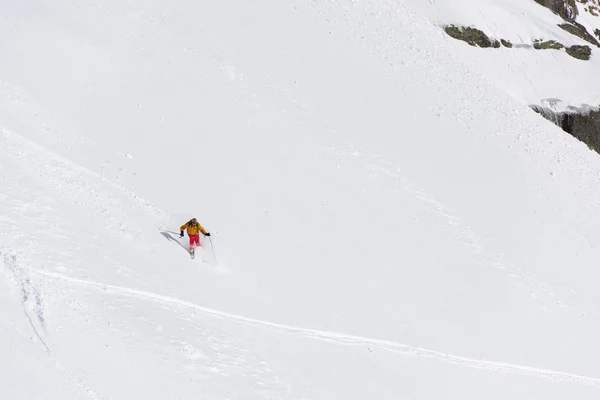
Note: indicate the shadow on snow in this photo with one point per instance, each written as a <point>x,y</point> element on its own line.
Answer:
<point>174,237</point>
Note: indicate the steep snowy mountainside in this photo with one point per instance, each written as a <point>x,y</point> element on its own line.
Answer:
<point>589,16</point>
<point>517,21</point>
<point>388,222</point>
<point>549,78</point>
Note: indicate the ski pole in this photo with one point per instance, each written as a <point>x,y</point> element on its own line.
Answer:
<point>213,250</point>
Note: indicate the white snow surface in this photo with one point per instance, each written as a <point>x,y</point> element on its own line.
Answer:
<point>389,218</point>
<point>548,78</point>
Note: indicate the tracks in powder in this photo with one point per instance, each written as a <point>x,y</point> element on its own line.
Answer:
<point>335,337</point>
<point>33,308</point>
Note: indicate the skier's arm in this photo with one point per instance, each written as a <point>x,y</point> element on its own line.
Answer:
<point>202,229</point>
<point>183,227</point>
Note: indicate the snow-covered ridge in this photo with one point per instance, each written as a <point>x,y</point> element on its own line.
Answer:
<point>572,28</point>
<point>590,6</point>
<point>531,76</point>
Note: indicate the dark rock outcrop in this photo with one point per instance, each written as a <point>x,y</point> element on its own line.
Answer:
<point>478,38</point>
<point>580,52</point>
<point>583,124</point>
<point>567,9</point>
<point>579,30</point>
<point>548,44</point>
<point>472,36</point>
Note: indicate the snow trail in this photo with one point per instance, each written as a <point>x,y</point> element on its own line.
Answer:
<point>337,337</point>
<point>31,300</point>
<point>33,308</point>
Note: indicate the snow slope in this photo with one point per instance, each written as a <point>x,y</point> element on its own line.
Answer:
<point>388,222</point>
<point>549,78</point>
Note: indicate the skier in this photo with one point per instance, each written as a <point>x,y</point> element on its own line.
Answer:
<point>193,230</point>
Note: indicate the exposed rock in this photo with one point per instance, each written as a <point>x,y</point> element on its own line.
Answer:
<point>591,6</point>
<point>548,44</point>
<point>584,124</point>
<point>476,37</point>
<point>580,52</point>
<point>567,9</point>
<point>473,36</point>
<point>579,30</point>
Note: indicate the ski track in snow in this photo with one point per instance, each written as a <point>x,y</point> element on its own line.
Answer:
<point>335,337</point>
<point>105,198</point>
<point>33,308</point>
<point>30,298</point>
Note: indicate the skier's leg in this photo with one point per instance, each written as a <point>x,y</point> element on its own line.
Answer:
<point>194,241</point>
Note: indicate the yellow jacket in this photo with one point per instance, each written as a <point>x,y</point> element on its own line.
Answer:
<point>193,229</point>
